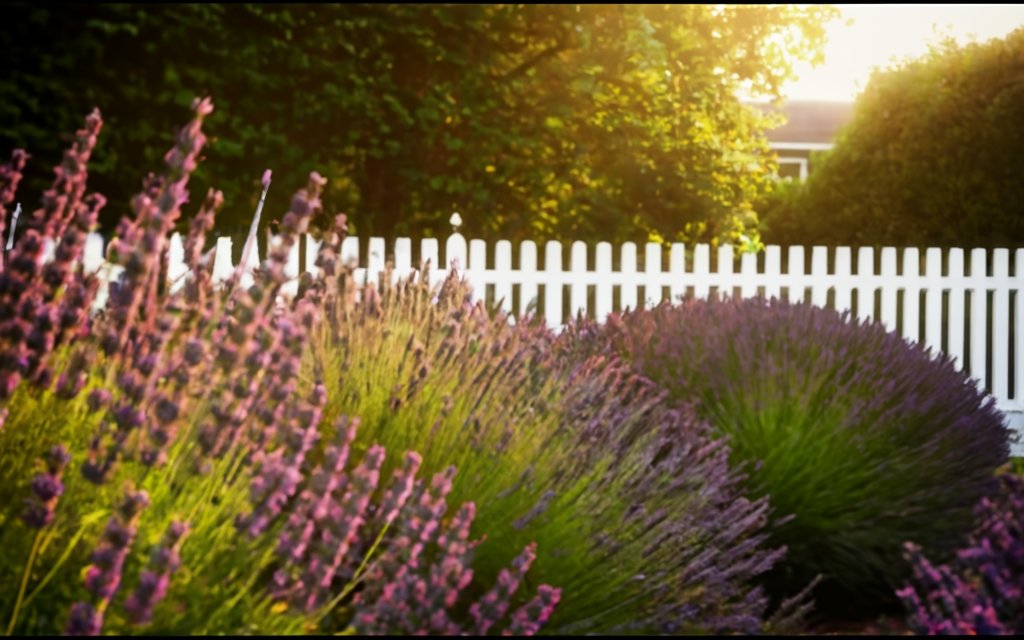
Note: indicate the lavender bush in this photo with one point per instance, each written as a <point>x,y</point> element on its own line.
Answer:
<point>981,592</point>
<point>184,483</point>
<point>635,511</point>
<point>861,440</point>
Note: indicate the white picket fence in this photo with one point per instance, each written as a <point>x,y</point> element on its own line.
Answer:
<point>973,311</point>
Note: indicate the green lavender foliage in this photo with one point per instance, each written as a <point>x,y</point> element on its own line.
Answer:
<point>861,440</point>
<point>146,397</point>
<point>642,521</point>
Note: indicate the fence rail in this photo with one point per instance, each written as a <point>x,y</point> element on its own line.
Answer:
<point>969,304</point>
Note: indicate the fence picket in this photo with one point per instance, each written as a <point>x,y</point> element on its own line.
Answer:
<point>628,290</point>
<point>291,271</point>
<point>553,283</point>
<point>176,269</point>
<point>979,317</point>
<point>819,275</point>
<point>652,269</point>
<point>222,267</point>
<point>403,259</point>
<point>429,260</point>
<point>773,271</point>
<point>933,299</point>
<point>866,292</point>
<point>701,269</point>
<point>797,275</point>
<point>725,271</point>
<point>455,253</point>
<point>748,275</point>
<point>92,255</point>
<point>577,282</point>
<point>1018,361</point>
<point>1001,323</point>
<point>603,293</point>
<point>911,295</point>
<point>677,269</point>
<point>955,336</point>
<point>528,266</point>
<point>312,252</point>
<point>502,275</point>
<point>843,280</point>
<point>888,313</point>
<point>477,267</point>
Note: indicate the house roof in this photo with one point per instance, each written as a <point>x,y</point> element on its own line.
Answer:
<point>810,121</point>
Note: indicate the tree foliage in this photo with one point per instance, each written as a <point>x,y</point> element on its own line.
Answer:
<point>931,158</point>
<point>559,121</point>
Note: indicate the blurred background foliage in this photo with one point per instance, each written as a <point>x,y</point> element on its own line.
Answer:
<point>932,158</point>
<point>596,122</point>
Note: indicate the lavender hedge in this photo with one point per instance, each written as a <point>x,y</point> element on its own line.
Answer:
<point>860,440</point>
<point>644,523</point>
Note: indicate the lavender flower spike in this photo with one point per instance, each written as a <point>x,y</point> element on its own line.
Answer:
<point>154,580</point>
<point>47,489</point>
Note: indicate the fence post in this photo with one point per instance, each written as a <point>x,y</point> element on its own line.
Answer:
<point>455,248</point>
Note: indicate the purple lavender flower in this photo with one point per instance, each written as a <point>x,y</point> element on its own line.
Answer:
<point>47,488</point>
<point>154,580</point>
<point>84,620</point>
<point>981,591</point>
<point>104,576</point>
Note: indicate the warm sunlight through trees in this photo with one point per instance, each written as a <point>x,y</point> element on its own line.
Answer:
<point>533,121</point>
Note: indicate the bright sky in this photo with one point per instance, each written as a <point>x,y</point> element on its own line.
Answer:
<point>880,32</point>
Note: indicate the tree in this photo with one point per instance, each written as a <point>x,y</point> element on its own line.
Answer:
<point>608,122</point>
<point>932,157</point>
